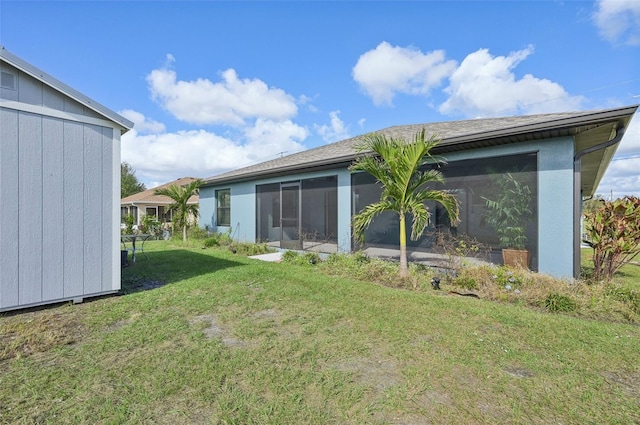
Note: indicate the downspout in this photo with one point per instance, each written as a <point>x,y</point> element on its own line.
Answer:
<point>577,193</point>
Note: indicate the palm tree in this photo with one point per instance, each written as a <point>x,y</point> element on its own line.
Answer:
<point>396,165</point>
<point>180,206</point>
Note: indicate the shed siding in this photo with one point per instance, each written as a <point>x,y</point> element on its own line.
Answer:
<point>73,216</point>
<point>108,251</point>
<point>8,212</point>
<point>56,219</point>
<point>29,90</point>
<point>52,98</point>
<point>34,92</point>
<point>53,208</point>
<point>92,209</point>
<point>30,207</point>
<point>59,185</point>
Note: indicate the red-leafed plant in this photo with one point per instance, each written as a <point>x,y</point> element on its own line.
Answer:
<point>613,231</point>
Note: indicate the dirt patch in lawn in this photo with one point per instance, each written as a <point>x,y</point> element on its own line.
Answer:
<point>37,332</point>
<point>211,328</point>
<point>629,383</point>
<point>375,371</point>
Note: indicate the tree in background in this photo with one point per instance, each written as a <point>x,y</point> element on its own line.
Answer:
<point>396,165</point>
<point>129,184</point>
<point>181,208</point>
<point>613,231</point>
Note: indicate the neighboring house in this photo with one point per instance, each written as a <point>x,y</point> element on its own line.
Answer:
<point>148,203</point>
<point>59,190</point>
<point>309,198</point>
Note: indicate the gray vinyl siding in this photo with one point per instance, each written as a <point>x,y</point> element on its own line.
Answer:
<point>59,186</point>
<point>107,206</point>
<point>33,92</point>
<point>9,192</point>
<point>30,208</point>
<point>53,209</point>
<point>56,223</point>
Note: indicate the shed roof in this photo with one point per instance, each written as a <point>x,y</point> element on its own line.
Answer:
<point>40,75</point>
<point>148,197</point>
<point>587,127</point>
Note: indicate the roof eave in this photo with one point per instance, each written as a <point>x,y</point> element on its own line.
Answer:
<point>491,137</point>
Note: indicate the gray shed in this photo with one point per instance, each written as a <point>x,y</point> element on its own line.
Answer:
<point>59,190</point>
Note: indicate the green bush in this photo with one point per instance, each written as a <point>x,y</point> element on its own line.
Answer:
<point>193,232</point>
<point>247,249</point>
<point>613,231</point>
<point>307,258</point>
<point>211,241</point>
<point>559,303</point>
<point>290,257</point>
<point>466,282</point>
<point>627,296</point>
<point>311,258</point>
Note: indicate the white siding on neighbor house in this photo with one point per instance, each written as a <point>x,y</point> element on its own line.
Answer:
<point>59,188</point>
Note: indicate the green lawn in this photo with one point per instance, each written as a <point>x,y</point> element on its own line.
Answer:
<point>202,336</point>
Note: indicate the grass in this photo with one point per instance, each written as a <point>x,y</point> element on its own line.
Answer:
<point>203,336</point>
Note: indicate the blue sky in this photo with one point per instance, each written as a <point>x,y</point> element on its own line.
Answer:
<point>213,86</point>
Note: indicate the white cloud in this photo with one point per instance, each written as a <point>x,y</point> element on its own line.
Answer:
<point>164,157</point>
<point>335,131</point>
<point>230,101</point>
<point>485,85</point>
<point>387,70</point>
<point>267,138</point>
<point>622,177</point>
<point>618,20</point>
<point>141,123</point>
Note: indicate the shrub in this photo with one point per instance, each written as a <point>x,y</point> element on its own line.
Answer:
<point>466,282</point>
<point>306,258</point>
<point>128,220</point>
<point>613,231</point>
<point>311,258</point>
<point>290,257</point>
<point>195,232</point>
<point>559,303</point>
<point>211,241</point>
<point>628,296</point>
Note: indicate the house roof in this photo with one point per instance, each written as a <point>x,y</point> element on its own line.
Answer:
<point>588,128</point>
<point>148,197</point>
<point>27,68</point>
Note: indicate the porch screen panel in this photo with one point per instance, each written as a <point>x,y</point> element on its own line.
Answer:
<point>385,228</point>
<point>268,212</point>
<point>320,209</point>
<point>474,180</point>
<point>470,181</point>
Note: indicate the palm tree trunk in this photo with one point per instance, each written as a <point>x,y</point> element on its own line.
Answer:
<point>404,271</point>
<point>184,233</point>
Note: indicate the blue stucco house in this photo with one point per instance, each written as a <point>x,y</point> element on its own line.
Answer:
<point>306,200</point>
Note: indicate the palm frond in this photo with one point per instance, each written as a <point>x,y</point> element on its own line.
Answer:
<point>363,219</point>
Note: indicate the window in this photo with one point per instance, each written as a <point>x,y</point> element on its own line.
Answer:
<point>223,207</point>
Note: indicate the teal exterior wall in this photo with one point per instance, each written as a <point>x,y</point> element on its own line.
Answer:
<point>243,206</point>
<point>555,201</point>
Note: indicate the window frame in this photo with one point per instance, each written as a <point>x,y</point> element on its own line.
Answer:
<point>223,210</point>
